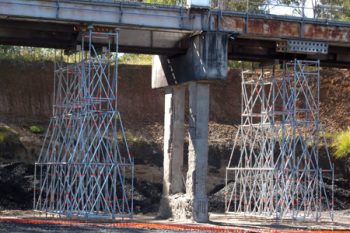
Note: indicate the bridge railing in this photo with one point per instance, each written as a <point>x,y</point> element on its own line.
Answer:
<point>309,9</point>
<point>180,3</point>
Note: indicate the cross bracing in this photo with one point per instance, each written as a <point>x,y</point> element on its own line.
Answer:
<point>85,168</point>
<point>278,173</point>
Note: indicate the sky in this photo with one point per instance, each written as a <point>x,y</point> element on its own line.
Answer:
<point>280,10</point>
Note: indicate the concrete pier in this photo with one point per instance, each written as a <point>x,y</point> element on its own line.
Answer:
<point>204,62</point>
<point>193,204</point>
<point>173,147</point>
<point>198,150</point>
<point>173,140</point>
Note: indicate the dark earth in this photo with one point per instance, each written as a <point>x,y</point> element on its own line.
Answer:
<point>142,110</point>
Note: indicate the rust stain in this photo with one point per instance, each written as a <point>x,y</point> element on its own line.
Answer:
<point>236,24</point>
<point>327,33</point>
<point>273,28</point>
<point>260,27</point>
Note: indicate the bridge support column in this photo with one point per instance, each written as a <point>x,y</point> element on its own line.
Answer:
<point>173,146</point>
<point>205,61</point>
<point>193,204</point>
<point>198,150</point>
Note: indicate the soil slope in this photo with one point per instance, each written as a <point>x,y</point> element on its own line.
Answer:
<point>26,97</point>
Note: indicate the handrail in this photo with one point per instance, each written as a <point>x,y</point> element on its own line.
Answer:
<point>306,9</point>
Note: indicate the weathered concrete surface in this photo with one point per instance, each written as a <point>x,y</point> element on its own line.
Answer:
<point>178,207</point>
<point>173,139</point>
<point>206,59</point>
<point>173,147</point>
<point>158,75</point>
<point>198,149</point>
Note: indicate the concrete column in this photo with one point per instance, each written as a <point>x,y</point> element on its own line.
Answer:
<point>173,146</point>
<point>198,150</point>
<point>173,140</point>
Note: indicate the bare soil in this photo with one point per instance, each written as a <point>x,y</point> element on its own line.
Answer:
<point>26,96</point>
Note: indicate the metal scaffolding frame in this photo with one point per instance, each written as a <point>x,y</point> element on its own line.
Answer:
<point>277,173</point>
<point>85,168</point>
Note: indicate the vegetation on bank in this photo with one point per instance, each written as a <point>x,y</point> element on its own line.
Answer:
<point>341,145</point>
<point>36,129</point>
<point>341,151</point>
<point>27,54</point>
<point>136,59</point>
<point>8,136</point>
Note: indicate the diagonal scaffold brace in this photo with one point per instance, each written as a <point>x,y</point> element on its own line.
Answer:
<point>275,166</point>
<point>85,168</point>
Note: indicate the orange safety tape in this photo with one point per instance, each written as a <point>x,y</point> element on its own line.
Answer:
<point>160,226</point>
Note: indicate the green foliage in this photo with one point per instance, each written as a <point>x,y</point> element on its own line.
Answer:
<point>2,136</point>
<point>330,9</point>
<point>7,135</point>
<point>240,5</point>
<point>168,2</point>
<point>334,9</point>
<point>26,53</point>
<point>36,129</point>
<point>131,137</point>
<point>136,59</point>
<point>341,144</point>
<point>244,65</point>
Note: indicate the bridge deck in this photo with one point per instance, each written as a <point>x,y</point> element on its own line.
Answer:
<point>163,29</point>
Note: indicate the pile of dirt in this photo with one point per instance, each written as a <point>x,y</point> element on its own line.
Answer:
<point>147,197</point>
<point>19,144</point>
<point>16,185</point>
<point>11,147</point>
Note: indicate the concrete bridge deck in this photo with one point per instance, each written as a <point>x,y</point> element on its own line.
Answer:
<point>157,29</point>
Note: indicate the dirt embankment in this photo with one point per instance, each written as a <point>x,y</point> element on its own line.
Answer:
<point>335,99</point>
<point>26,97</point>
<point>26,90</point>
<point>26,94</point>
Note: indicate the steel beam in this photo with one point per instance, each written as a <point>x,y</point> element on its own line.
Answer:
<point>103,13</point>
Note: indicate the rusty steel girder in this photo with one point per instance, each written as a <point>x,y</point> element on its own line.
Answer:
<point>270,27</point>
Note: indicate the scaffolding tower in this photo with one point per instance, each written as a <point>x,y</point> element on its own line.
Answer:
<point>85,168</point>
<point>277,173</point>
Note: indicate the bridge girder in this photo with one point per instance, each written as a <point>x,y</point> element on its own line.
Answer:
<point>166,30</point>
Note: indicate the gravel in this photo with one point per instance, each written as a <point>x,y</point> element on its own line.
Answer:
<point>23,228</point>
